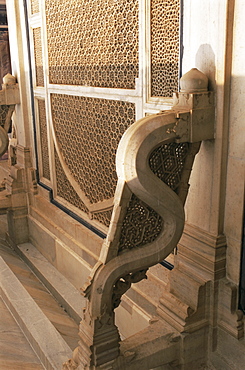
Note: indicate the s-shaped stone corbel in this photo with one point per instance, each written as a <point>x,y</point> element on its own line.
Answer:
<point>154,162</point>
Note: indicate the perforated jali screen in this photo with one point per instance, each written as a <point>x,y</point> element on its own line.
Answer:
<point>34,6</point>
<point>165,29</point>
<point>3,114</point>
<point>38,56</point>
<point>43,138</point>
<point>93,42</point>
<point>167,162</point>
<point>88,131</point>
<point>64,188</point>
<point>142,225</point>
<point>67,192</point>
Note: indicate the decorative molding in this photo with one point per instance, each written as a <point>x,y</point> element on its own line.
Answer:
<point>229,317</point>
<point>202,253</point>
<point>184,304</point>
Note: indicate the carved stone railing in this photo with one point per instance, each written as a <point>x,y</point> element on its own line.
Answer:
<point>154,162</point>
<point>9,96</point>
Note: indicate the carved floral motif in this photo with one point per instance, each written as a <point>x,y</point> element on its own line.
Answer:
<point>141,225</point>
<point>124,283</point>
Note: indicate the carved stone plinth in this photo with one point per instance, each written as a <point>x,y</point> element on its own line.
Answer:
<point>105,345</point>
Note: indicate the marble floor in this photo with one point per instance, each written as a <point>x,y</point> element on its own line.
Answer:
<point>15,350</point>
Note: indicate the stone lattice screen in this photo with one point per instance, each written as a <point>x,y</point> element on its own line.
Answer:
<point>5,64</point>
<point>67,192</point>
<point>38,56</point>
<point>141,224</point>
<point>88,131</point>
<point>43,139</point>
<point>3,114</point>
<point>34,6</point>
<point>95,44</point>
<point>165,29</point>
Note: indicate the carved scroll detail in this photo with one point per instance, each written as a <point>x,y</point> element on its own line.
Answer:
<point>125,259</point>
<point>154,162</point>
<point>124,283</point>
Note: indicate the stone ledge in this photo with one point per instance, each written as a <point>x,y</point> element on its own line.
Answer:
<point>156,346</point>
<point>49,346</point>
<point>66,294</point>
<point>230,352</point>
<point>53,226</point>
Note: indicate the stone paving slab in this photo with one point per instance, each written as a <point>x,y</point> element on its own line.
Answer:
<point>66,294</point>
<point>43,337</point>
<point>15,351</point>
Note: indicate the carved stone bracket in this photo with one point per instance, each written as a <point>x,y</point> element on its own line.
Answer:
<point>154,162</point>
<point>124,283</point>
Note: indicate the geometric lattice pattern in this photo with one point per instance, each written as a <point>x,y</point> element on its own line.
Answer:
<point>64,188</point>
<point>38,56</point>
<point>88,131</point>
<point>4,57</point>
<point>165,28</point>
<point>67,192</point>
<point>3,114</point>
<point>167,162</point>
<point>43,138</point>
<point>34,6</point>
<point>93,42</point>
<point>103,217</point>
<point>141,225</point>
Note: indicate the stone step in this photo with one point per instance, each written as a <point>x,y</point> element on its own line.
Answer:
<point>146,293</point>
<point>65,293</point>
<point>46,341</point>
<point>15,350</point>
<point>45,322</point>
